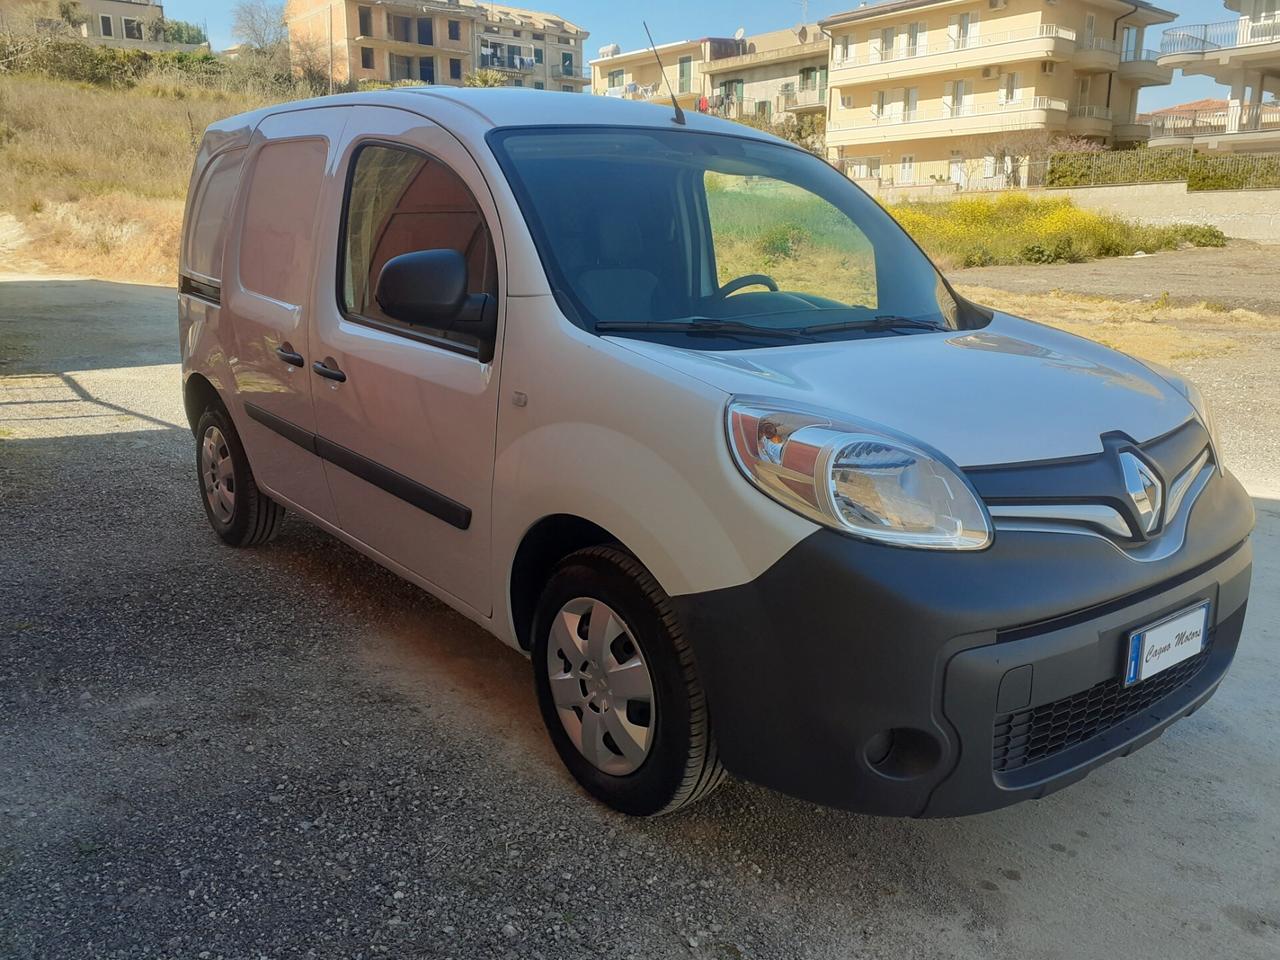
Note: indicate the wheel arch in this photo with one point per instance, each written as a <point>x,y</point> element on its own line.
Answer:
<point>544,544</point>
<point>198,394</point>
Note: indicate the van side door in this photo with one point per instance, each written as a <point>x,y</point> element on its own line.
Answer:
<point>406,415</point>
<point>270,258</point>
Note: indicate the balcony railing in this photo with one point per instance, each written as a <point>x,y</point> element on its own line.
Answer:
<point>1245,118</point>
<point>806,96</point>
<point>1200,37</point>
<point>1139,56</point>
<point>1092,112</point>
<point>957,110</point>
<point>1098,43</point>
<point>951,45</point>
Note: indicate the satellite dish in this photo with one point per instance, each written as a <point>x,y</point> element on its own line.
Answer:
<point>802,33</point>
<point>739,33</point>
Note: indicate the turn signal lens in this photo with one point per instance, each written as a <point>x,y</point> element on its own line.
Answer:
<point>855,478</point>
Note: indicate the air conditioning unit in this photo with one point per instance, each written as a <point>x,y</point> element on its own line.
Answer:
<point>1047,67</point>
<point>997,4</point>
<point>990,73</point>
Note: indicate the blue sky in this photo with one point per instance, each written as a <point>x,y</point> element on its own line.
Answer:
<point>611,21</point>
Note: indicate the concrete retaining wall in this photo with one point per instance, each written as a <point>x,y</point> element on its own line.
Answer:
<point>1247,214</point>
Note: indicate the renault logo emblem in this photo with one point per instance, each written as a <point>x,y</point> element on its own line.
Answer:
<point>1144,490</point>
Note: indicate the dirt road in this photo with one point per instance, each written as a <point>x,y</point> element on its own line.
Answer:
<point>287,752</point>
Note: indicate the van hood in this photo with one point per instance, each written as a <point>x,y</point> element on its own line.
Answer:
<point>1014,391</point>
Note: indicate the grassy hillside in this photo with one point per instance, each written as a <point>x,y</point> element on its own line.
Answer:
<point>98,175</point>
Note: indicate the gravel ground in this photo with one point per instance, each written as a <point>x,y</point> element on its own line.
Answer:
<point>1241,274</point>
<point>287,752</point>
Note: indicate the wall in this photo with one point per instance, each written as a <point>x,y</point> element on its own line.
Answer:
<point>1247,214</point>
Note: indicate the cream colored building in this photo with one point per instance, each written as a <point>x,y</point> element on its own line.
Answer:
<point>777,74</point>
<point>438,41</point>
<point>635,75</point>
<point>1242,53</point>
<point>957,91</point>
<point>126,23</point>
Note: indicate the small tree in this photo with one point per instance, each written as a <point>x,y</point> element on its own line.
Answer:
<point>485,78</point>
<point>260,24</point>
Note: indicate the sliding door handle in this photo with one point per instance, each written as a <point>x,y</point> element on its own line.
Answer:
<point>329,373</point>
<point>288,356</point>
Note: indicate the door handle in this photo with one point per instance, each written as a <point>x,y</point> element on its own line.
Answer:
<point>329,373</point>
<point>288,356</point>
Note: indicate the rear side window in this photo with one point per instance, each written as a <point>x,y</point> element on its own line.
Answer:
<point>279,220</point>
<point>207,231</point>
<point>400,201</point>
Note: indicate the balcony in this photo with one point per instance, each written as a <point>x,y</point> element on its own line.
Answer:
<point>1045,42</point>
<point>1142,68</point>
<point>1131,132</point>
<point>1096,55</point>
<point>954,120</point>
<point>1089,120</point>
<point>1226,34</point>
<point>411,48</point>
<point>806,99</point>
<point>1249,126</point>
<point>796,51</point>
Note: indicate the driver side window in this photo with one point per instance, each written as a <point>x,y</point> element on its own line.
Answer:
<point>760,225</point>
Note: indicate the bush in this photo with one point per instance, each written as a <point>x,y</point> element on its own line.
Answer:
<point>1020,228</point>
<point>781,242</point>
<point>1200,171</point>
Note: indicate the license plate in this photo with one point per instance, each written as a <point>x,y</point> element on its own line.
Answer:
<point>1161,645</point>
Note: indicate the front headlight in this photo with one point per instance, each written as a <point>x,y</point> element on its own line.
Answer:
<point>854,477</point>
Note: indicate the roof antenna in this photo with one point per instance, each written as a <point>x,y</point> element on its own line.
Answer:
<point>679,118</point>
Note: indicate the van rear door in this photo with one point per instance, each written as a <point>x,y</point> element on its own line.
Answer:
<point>266,295</point>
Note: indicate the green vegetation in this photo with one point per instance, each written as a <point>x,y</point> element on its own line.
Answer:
<point>1021,228</point>
<point>1201,171</point>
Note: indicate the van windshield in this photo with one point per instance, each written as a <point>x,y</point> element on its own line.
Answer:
<point>715,241</point>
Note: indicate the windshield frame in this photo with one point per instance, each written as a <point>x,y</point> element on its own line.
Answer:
<point>968,315</point>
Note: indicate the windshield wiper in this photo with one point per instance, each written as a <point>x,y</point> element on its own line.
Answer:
<point>696,326</point>
<point>881,322</point>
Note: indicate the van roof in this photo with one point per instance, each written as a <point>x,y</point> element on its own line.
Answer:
<point>480,109</point>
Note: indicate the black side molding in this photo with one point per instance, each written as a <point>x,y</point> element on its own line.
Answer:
<point>397,484</point>
<point>200,288</point>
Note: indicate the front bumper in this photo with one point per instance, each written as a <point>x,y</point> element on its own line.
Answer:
<point>917,683</point>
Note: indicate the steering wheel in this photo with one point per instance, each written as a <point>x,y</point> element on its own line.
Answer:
<point>750,280</point>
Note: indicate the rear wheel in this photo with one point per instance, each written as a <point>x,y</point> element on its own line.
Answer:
<point>617,686</point>
<point>238,511</point>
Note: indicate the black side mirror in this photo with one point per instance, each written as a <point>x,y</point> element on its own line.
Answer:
<point>428,288</point>
<point>425,288</point>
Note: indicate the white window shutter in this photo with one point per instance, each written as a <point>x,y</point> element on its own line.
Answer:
<point>948,97</point>
<point>1015,87</point>
<point>953,31</point>
<point>973,27</point>
<point>922,38</point>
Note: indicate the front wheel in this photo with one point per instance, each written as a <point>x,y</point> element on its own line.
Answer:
<point>617,686</point>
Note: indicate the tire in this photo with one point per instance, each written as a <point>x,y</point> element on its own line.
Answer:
<point>240,513</point>
<point>679,764</point>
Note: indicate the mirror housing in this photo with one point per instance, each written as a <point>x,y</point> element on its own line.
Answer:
<point>425,288</point>
<point>428,288</point>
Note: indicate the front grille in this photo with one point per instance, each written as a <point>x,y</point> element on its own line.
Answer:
<point>1026,736</point>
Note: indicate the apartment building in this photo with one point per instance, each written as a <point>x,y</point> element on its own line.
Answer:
<point>938,91</point>
<point>1243,54</point>
<point>775,75</point>
<point>635,75</point>
<point>439,41</point>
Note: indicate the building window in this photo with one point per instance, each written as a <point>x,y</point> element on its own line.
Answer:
<point>537,55</point>
<point>540,36</point>
<point>427,69</point>
<point>455,68</point>
<point>615,79</point>
<point>565,88</point>
<point>402,29</point>
<point>104,22</point>
<point>1010,91</point>
<point>907,168</point>
<point>846,101</point>
<point>401,67</point>
<point>455,29</point>
<point>517,82</point>
<point>539,85</point>
<point>365,15</point>
<point>685,72</point>
<point>489,29</point>
<point>366,58</point>
<point>132,28</point>
<point>426,32</point>
<point>566,64</point>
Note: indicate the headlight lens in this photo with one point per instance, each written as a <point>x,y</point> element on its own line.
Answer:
<point>855,477</point>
